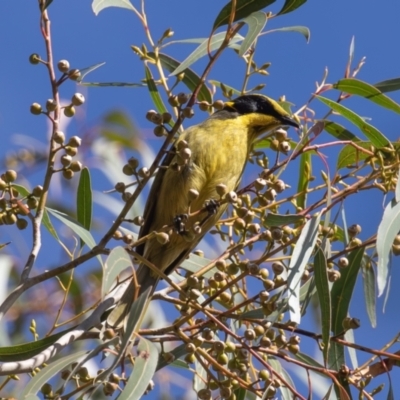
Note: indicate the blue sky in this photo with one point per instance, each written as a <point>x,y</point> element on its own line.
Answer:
<point>85,39</point>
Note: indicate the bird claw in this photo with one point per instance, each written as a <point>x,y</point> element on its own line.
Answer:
<point>180,223</point>
<point>211,206</point>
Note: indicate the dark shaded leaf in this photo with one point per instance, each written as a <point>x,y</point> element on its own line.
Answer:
<point>291,5</point>
<point>243,9</point>
<point>389,85</point>
<point>339,132</point>
<point>84,200</point>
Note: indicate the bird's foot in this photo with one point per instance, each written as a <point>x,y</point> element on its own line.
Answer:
<point>211,206</point>
<point>180,223</point>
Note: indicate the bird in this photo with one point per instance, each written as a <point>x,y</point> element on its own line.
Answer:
<point>219,149</point>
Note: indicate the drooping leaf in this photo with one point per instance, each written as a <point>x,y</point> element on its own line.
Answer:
<point>299,29</point>
<point>373,134</point>
<point>191,79</point>
<point>298,261</point>
<point>87,70</point>
<point>370,92</point>
<point>305,173</point>
<point>203,49</point>
<point>117,261</point>
<point>389,85</point>
<point>84,200</point>
<point>143,371</point>
<point>256,22</point>
<point>45,374</point>
<point>324,296</point>
<point>99,5</point>
<point>291,5</point>
<point>388,229</point>
<point>155,96</point>
<point>342,290</point>
<point>243,9</point>
<point>350,155</point>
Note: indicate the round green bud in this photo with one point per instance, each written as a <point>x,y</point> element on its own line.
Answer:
<point>59,137</point>
<point>76,166</point>
<point>77,99</point>
<point>36,109</point>
<point>75,141</point>
<point>71,151</point>
<point>34,59</point>
<point>65,160</point>
<point>10,175</point>
<point>74,74</point>
<point>51,105</point>
<point>37,191</point>
<point>21,223</point>
<point>128,170</point>
<point>63,66</point>
<point>69,111</point>
<point>68,174</point>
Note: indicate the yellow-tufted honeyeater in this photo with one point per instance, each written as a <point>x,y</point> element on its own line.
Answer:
<point>219,148</point>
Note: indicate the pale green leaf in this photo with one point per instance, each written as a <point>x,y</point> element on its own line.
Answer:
<point>387,231</point>
<point>299,29</point>
<point>373,134</point>
<point>256,22</point>
<point>207,46</point>
<point>298,261</point>
<point>370,92</point>
<point>99,5</point>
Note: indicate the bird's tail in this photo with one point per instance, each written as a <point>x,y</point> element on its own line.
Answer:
<point>145,279</point>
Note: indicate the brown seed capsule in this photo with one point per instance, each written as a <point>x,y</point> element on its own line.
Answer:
<point>59,137</point>
<point>333,275</point>
<point>188,112</point>
<point>128,170</point>
<point>277,267</point>
<point>279,186</point>
<point>221,189</point>
<point>68,174</point>
<point>218,105</point>
<point>120,187</point>
<point>232,197</point>
<point>284,147</point>
<point>51,105</point>
<point>281,134</point>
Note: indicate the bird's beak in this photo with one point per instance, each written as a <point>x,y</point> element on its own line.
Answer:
<point>289,121</point>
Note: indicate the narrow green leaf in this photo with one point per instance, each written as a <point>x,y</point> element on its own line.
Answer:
<point>350,156</point>
<point>84,199</point>
<point>342,290</point>
<point>291,5</point>
<point>243,9</point>
<point>339,131</point>
<point>143,371</point>
<point>194,263</point>
<point>46,373</point>
<point>240,394</point>
<point>389,85</point>
<point>387,231</point>
<point>279,220</point>
<point>49,226</point>
<point>87,70</point>
<point>324,296</point>
<point>304,179</point>
<point>24,351</point>
<point>397,190</point>
<point>99,5</point>
<point>177,352</point>
<point>22,190</point>
<point>117,261</point>
<point>298,261</point>
<point>373,134</point>
<point>219,84</point>
<point>76,227</point>
<point>155,96</point>
<point>299,29</point>
<point>370,92</point>
<point>256,22</point>
<point>203,49</point>
<point>112,84</point>
<point>191,79</point>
